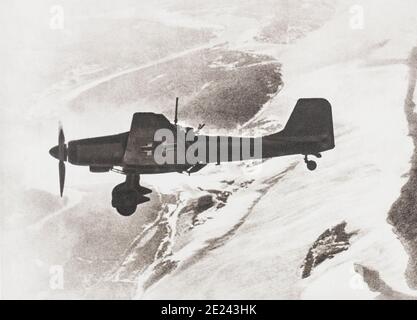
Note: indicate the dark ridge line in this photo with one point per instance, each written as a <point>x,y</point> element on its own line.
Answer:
<point>403,213</point>
<point>374,282</point>
<point>333,241</point>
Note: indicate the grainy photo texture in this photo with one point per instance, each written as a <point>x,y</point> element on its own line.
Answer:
<point>195,149</point>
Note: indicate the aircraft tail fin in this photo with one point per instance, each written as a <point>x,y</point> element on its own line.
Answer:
<point>311,120</point>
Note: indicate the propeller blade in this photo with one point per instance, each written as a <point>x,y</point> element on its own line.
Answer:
<point>62,148</point>
<point>61,177</point>
<point>61,136</point>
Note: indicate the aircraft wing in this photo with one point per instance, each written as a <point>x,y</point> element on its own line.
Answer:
<point>140,143</point>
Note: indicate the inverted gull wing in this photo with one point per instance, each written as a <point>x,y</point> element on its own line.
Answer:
<point>140,143</point>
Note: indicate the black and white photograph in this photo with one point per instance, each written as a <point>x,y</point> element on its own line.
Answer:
<point>231,150</point>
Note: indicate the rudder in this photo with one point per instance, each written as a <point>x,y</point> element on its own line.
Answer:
<point>310,119</point>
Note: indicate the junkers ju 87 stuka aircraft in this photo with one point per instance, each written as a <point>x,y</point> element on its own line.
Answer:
<point>155,145</point>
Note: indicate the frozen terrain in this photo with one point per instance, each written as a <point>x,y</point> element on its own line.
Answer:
<point>255,230</point>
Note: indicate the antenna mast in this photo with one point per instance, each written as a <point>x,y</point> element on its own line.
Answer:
<point>176,111</point>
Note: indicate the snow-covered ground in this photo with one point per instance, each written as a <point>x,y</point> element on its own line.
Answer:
<point>364,75</point>
<point>235,230</point>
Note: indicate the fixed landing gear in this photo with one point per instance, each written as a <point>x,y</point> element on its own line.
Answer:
<point>127,195</point>
<point>311,164</point>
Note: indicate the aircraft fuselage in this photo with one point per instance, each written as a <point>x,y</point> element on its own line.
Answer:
<point>155,145</point>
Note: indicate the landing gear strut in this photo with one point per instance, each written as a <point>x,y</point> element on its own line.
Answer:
<point>311,164</point>
<point>127,195</point>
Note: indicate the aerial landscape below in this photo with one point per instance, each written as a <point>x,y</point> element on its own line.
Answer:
<point>263,228</point>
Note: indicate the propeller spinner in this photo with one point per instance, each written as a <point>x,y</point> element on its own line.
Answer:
<point>60,152</point>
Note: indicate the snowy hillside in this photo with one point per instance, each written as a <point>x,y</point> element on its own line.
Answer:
<point>364,74</point>
<point>255,230</point>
